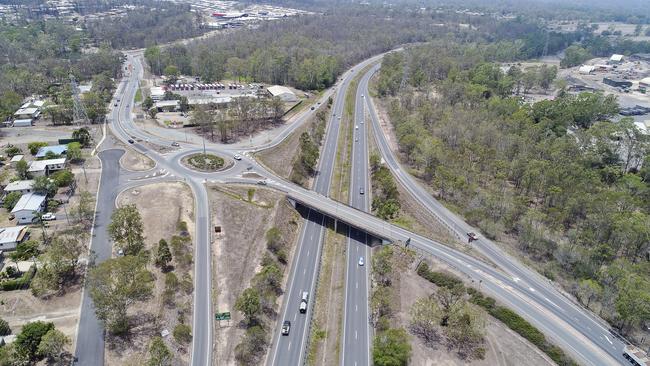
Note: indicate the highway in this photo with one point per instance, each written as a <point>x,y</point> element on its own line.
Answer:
<point>520,288</point>
<point>596,330</point>
<point>356,324</point>
<point>290,349</point>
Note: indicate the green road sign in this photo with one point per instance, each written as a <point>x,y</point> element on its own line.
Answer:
<point>222,316</point>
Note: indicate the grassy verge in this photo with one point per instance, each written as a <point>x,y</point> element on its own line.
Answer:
<point>138,96</point>
<point>508,317</point>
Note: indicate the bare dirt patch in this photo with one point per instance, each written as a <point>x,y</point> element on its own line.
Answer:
<point>162,206</point>
<point>503,346</point>
<point>133,160</point>
<point>244,214</point>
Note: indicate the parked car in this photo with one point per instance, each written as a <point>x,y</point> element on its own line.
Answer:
<point>48,217</point>
<point>286,327</point>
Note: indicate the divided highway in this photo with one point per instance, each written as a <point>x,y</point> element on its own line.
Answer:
<point>547,296</point>
<point>512,283</point>
<point>356,324</point>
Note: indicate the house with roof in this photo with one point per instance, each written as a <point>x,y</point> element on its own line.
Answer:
<point>27,113</point>
<point>616,59</point>
<point>39,168</point>
<point>15,159</point>
<point>54,149</point>
<point>22,186</point>
<point>28,206</point>
<point>10,237</point>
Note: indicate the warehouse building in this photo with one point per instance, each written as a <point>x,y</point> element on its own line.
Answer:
<point>282,92</point>
<point>617,83</point>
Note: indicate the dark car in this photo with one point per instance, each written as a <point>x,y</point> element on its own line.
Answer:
<point>131,141</point>
<point>286,327</point>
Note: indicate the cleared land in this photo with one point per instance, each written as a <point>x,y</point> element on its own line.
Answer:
<point>133,160</point>
<point>162,206</point>
<point>244,215</point>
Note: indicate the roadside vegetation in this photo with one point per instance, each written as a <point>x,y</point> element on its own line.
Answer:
<point>462,325</point>
<point>304,163</point>
<point>557,179</point>
<point>391,345</point>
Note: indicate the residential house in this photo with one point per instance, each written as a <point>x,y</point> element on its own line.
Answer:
<point>27,207</point>
<point>54,149</point>
<point>10,237</point>
<point>22,186</point>
<point>39,168</point>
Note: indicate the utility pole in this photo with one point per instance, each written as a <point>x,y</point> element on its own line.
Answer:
<point>79,115</point>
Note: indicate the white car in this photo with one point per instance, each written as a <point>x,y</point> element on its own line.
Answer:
<point>237,157</point>
<point>48,217</point>
<point>361,261</point>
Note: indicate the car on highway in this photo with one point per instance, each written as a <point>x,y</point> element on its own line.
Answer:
<point>471,236</point>
<point>361,191</point>
<point>48,217</point>
<point>175,144</point>
<point>261,182</point>
<point>356,139</point>
<point>360,261</point>
<point>312,108</point>
<point>303,302</point>
<point>356,127</point>
<point>339,117</point>
<point>131,141</point>
<point>11,217</point>
<point>237,157</point>
<point>115,105</point>
<point>286,327</point>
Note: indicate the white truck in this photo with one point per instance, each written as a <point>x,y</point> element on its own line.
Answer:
<point>303,302</point>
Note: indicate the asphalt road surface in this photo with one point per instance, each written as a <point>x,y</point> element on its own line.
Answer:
<point>356,324</point>
<point>290,349</point>
<point>548,297</point>
<point>90,335</point>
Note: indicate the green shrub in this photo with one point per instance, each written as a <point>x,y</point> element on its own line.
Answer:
<point>440,279</point>
<point>63,178</point>
<point>183,333</point>
<point>35,146</point>
<point>19,283</point>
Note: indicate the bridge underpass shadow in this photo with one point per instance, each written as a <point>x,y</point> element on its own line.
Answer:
<point>341,227</point>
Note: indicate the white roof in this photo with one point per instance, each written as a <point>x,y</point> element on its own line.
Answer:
<point>29,202</point>
<point>156,90</point>
<point>167,103</point>
<point>17,158</point>
<point>38,103</point>
<point>586,68</point>
<point>11,234</point>
<point>19,185</point>
<point>645,81</point>
<point>616,57</point>
<point>276,90</point>
<point>39,165</point>
<point>26,111</point>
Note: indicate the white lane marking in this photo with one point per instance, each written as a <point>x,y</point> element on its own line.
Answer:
<point>304,271</point>
<point>357,284</point>
<point>356,336</point>
<point>531,289</point>
<point>295,316</point>
<point>308,253</point>
<point>356,308</point>
<point>289,348</point>
<point>516,279</point>
<point>610,342</point>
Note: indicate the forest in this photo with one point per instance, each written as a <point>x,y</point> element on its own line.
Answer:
<point>38,59</point>
<point>560,180</point>
<point>310,52</point>
<point>149,24</point>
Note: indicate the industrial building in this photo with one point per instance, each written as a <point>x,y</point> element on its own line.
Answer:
<point>616,59</point>
<point>282,92</point>
<point>157,93</point>
<point>617,83</point>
